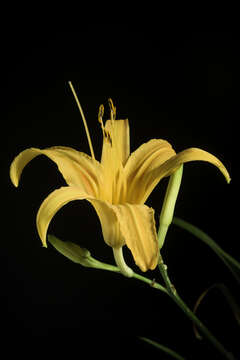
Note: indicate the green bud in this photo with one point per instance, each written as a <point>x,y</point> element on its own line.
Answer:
<point>169,202</point>
<point>78,255</point>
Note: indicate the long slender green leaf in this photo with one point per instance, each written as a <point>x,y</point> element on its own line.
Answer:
<point>232,264</point>
<point>229,298</point>
<point>163,348</point>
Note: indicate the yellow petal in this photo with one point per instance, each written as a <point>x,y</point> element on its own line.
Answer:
<point>117,143</point>
<point>60,197</point>
<point>109,222</point>
<point>19,163</point>
<point>142,161</point>
<point>167,168</point>
<point>133,225</point>
<point>137,226</point>
<point>77,168</point>
<point>115,152</point>
<point>130,224</point>
<point>54,202</point>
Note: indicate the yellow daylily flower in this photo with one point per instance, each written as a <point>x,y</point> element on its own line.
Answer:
<point>117,186</point>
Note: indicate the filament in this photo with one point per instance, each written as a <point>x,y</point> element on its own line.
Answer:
<point>83,118</point>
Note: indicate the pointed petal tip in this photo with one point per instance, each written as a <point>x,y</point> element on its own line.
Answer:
<point>228,178</point>
<point>15,183</point>
<point>13,177</point>
<point>44,242</point>
<point>225,173</point>
<point>196,154</point>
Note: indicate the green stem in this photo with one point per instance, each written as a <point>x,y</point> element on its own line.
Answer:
<point>118,256</point>
<point>176,298</point>
<point>150,282</point>
<point>134,275</point>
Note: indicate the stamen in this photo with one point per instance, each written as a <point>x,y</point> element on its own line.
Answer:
<point>100,120</point>
<point>100,114</point>
<point>106,133</point>
<point>83,118</point>
<point>112,109</point>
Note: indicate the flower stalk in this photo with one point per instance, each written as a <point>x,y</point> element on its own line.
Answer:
<point>119,259</point>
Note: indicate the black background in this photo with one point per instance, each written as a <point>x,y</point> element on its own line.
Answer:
<point>179,86</point>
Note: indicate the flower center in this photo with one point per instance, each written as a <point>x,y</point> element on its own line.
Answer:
<point>111,157</point>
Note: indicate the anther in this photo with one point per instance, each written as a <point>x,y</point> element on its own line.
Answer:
<point>100,113</point>
<point>112,108</point>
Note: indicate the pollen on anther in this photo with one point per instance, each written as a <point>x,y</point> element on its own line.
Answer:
<point>100,113</point>
<point>112,108</point>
